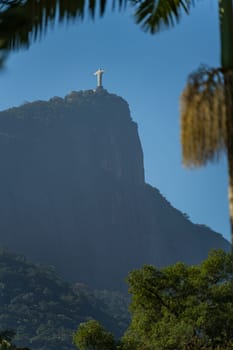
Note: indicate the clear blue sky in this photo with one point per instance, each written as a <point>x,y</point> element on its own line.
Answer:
<point>150,73</point>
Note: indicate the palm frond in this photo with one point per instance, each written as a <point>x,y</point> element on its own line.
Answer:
<point>204,129</point>
<point>24,21</point>
<point>154,15</point>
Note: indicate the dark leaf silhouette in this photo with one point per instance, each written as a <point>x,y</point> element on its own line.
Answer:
<point>154,15</point>
<point>23,22</point>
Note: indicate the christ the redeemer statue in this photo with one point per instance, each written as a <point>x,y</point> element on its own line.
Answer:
<point>99,74</point>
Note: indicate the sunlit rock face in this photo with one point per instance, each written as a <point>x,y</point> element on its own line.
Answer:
<point>73,195</point>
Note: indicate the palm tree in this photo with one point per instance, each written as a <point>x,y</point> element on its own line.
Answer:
<point>207,100</point>
<point>207,108</point>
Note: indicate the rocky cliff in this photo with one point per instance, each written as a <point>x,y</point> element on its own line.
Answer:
<point>72,192</point>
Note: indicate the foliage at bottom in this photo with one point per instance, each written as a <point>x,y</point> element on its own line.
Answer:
<point>177,307</point>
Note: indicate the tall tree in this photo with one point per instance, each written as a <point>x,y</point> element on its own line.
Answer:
<point>182,307</point>
<point>176,307</point>
<point>92,336</point>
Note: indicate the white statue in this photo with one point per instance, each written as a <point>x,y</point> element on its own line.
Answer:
<point>99,74</point>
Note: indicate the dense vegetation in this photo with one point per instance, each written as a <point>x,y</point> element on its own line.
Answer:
<point>44,310</point>
<point>177,307</point>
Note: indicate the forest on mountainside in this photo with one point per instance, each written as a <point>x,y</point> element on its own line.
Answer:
<point>44,310</point>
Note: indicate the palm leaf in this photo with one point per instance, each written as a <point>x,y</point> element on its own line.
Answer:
<point>205,127</point>
<point>154,15</point>
<point>23,21</point>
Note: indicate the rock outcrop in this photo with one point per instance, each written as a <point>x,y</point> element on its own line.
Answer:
<point>73,194</point>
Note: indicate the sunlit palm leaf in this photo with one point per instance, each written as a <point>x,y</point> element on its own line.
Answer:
<point>154,15</point>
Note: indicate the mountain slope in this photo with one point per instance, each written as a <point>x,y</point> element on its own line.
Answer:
<point>73,194</point>
<point>44,310</point>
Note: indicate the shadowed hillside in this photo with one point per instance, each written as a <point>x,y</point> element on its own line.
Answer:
<point>44,310</point>
<point>72,192</point>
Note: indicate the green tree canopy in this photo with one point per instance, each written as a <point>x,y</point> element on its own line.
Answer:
<point>182,307</point>
<point>92,336</point>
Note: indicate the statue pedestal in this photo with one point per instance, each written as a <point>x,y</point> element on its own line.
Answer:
<point>99,89</point>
